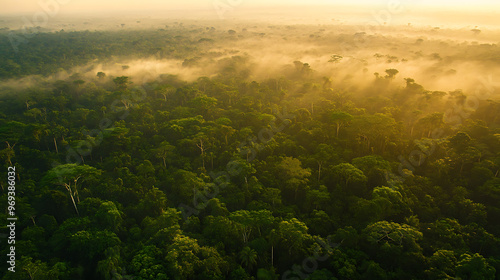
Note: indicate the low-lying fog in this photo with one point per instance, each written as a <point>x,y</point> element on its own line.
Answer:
<point>441,54</point>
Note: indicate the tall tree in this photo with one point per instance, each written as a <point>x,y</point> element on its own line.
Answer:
<point>70,175</point>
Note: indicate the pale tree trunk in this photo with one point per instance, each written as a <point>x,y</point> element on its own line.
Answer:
<point>202,149</point>
<point>76,190</point>
<point>68,187</point>
<point>31,274</point>
<point>55,144</point>
<point>319,171</point>
<point>77,195</point>
<point>126,103</point>
<point>9,155</point>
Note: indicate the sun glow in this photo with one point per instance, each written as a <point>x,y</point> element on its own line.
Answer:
<point>29,6</point>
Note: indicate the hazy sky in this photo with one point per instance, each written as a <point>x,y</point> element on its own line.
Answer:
<point>68,6</point>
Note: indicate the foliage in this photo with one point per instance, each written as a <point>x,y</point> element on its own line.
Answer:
<point>231,176</point>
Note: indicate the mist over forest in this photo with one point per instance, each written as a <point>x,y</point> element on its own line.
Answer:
<point>286,143</point>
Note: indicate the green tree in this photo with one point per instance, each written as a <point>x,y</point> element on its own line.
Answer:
<point>340,119</point>
<point>391,73</point>
<point>395,245</point>
<point>375,168</point>
<point>293,175</point>
<point>474,267</point>
<point>101,75</point>
<point>292,236</point>
<point>164,151</point>
<point>69,175</point>
<point>353,179</point>
<point>248,221</point>
<point>110,267</point>
<point>442,265</point>
<point>121,83</point>
<point>109,216</point>
<point>248,257</point>
<point>147,264</point>
<point>91,244</point>
<point>324,154</point>
<point>187,259</point>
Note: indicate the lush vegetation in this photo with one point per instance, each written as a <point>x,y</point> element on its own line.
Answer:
<point>227,177</point>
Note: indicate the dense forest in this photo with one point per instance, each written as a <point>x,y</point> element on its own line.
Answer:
<point>213,168</point>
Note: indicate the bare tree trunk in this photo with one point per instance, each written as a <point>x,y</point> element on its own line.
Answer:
<point>74,204</point>
<point>76,191</point>
<point>68,187</point>
<point>202,149</point>
<point>272,255</point>
<point>319,171</point>
<point>126,103</point>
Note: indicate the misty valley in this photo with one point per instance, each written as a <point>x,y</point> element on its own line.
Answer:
<point>238,149</point>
